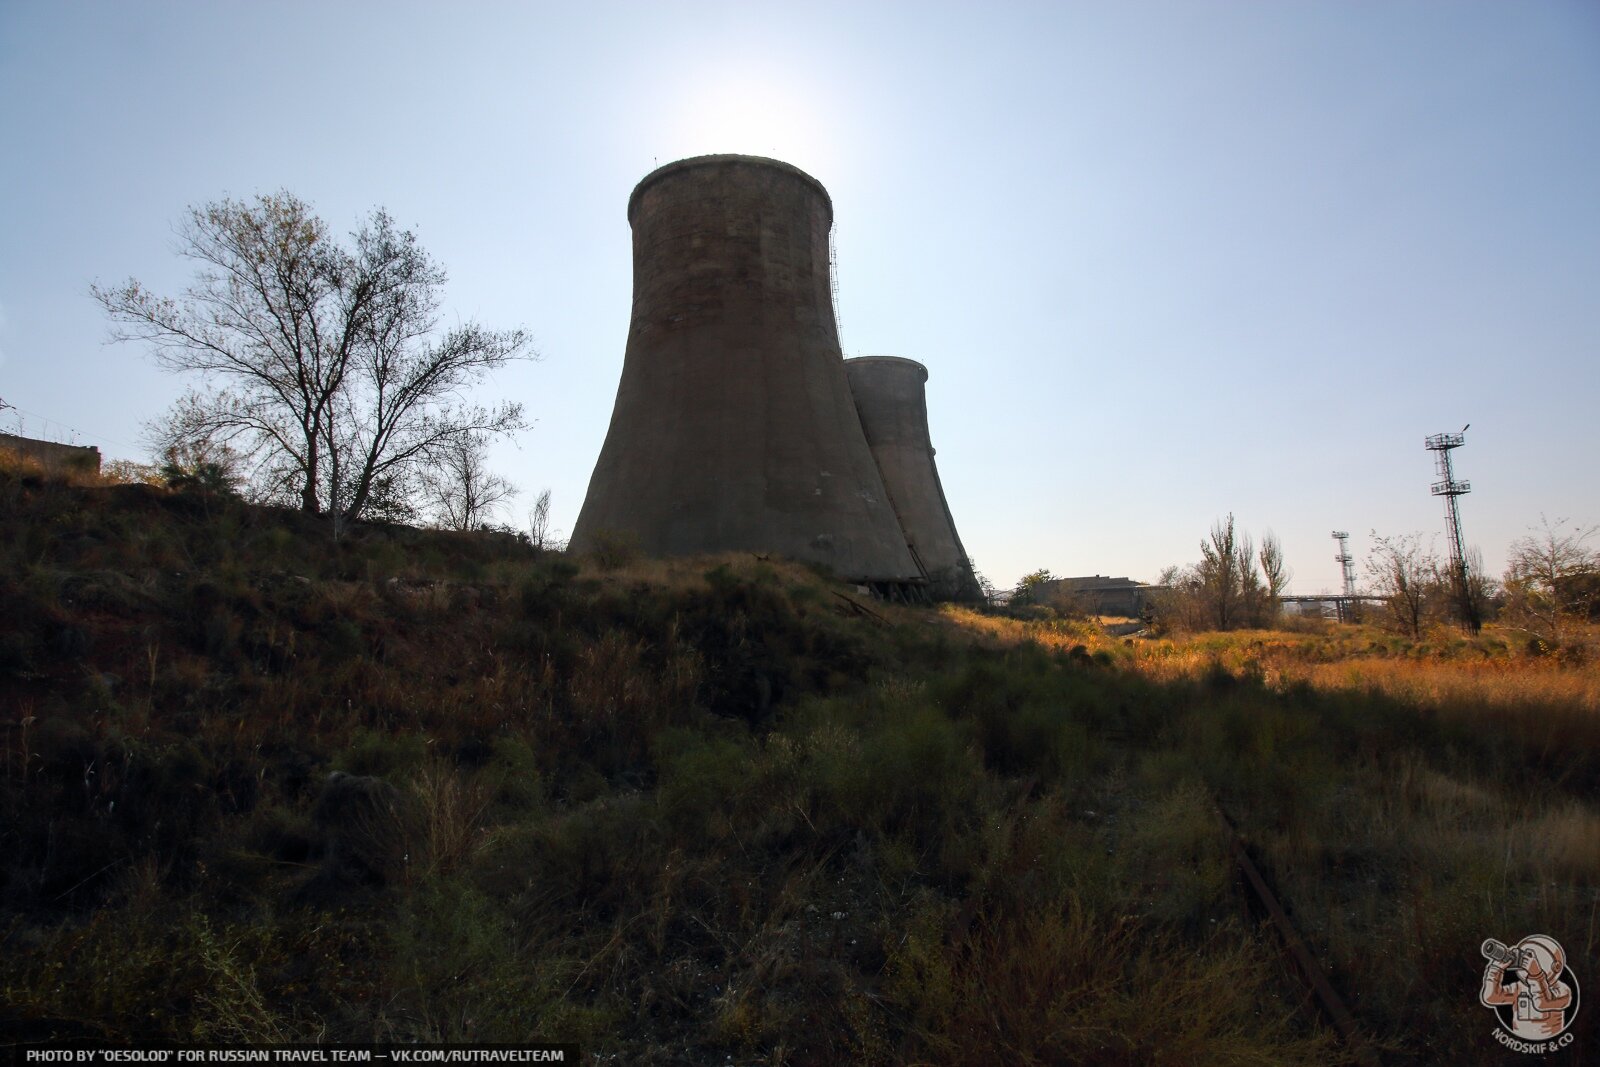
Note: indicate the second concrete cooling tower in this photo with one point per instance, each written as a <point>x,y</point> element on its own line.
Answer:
<point>734,427</point>
<point>889,395</point>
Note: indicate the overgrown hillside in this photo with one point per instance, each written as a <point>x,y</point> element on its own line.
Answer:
<point>412,785</point>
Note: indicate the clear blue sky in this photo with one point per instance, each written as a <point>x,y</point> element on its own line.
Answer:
<point>1163,261</point>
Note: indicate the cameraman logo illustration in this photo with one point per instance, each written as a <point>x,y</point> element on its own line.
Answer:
<point>1532,992</point>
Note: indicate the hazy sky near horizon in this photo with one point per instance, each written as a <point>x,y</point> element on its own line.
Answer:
<point>1163,261</point>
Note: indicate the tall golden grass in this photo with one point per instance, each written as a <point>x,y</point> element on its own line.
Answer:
<point>1487,675</point>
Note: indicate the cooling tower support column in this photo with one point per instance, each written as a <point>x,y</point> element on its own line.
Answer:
<point>734,428</point>
<point>890,397</point>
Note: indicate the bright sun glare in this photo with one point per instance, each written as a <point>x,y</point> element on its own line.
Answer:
<point>751,116</point>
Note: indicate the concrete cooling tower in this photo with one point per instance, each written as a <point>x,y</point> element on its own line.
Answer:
<point>734,427</point>
<point>893,405</point>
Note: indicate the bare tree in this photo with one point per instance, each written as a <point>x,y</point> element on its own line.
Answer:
<point>1553,579</point>
<point>459,489</point>
<point>1275,574</point>
<point>1406,575</point>
<point>1252,599</point>
<point>326,366</point>
<point>539,521</point>
<point>1175,600</point>
<point>1483,592</point>
<point>1218,572</point>
<point>991,595</point>
<point>1225,590</point>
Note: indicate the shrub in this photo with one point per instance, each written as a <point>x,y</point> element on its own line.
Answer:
<point>700,785</point>
<point>612,550</point>
<point>911,772</point>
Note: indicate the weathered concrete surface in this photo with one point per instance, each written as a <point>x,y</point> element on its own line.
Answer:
<point>891,399</point>
<point>52,456</point>
<point>734,428</point>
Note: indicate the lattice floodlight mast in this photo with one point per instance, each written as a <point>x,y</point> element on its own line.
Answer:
<point>1347,562</point>
<point>1450,489</point>
<point>1347,568</point>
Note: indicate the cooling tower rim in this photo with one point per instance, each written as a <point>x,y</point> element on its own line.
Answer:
<point>889,361</point>
<point>713,160</point>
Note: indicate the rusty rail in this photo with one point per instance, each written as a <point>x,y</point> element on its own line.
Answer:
<point>1333,1005</point>
<point>861,609</point>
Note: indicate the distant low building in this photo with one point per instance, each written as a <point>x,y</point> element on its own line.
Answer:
<point>1096,594</point>
<point>64,458</point>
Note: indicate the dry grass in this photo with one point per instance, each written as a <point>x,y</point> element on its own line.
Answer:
<point>1562,841</point>
<point>705,811</point>
<point>1359,659</point>
<point>1060,985</point>
<point>1507,684</point>
<point>450,808</point>
<point>1414,795</point>
<point>674,573</point>
<point>1000,630</point>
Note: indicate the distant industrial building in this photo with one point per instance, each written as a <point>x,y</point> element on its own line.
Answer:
<point>1096,594</point>
<point>65,459</point>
